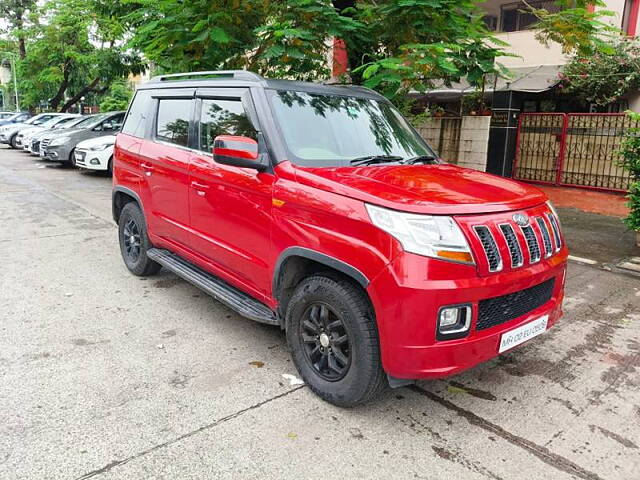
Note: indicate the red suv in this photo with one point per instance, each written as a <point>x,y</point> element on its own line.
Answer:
<point>319,209</point>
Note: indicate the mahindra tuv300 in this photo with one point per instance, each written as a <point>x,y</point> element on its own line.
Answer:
<point>319,209</point>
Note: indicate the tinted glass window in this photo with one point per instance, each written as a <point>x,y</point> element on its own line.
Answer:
<point>136,120</point>
<point>331,130</point>
<point>173,120</point>
<point>223,117</point>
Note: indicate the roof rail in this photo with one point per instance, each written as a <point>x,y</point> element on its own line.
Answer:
<point>235,74</point>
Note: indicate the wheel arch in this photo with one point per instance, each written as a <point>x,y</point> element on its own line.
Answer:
<point>120,196</point>
<point>296,263</point>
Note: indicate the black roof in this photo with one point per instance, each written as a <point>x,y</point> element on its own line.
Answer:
<point>243,78</point>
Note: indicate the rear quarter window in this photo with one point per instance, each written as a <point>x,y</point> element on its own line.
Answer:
<point>136,120</point>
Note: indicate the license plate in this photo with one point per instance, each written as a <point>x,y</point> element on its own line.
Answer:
<point>522,334</point>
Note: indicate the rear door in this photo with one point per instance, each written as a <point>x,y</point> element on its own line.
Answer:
<point>164,162</point>
<point>230,207</point>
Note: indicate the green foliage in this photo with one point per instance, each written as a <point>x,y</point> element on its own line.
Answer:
<point>630,161</point>
<point>287,38</point>
<point>580,26</point>
<point>416,44</point>
<point>602,78</point>
<point>72,53</point>
<point>117,98</point>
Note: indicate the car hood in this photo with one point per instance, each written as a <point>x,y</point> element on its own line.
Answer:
<point>436,189</point>
<point>97,141</point>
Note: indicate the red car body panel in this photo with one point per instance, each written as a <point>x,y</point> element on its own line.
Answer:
<point>238,224</point>
<point>437,189</point>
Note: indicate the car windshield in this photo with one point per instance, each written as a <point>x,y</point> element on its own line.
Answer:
<point>79,122</point>
<point>95,120</point>
<point>51,122</point>
<point>332,130</point>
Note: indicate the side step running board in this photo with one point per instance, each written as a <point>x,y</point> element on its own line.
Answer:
<point>217,288</point>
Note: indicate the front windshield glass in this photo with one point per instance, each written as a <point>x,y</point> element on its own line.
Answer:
<point>332,130</point>
<point>51,122</point>
<point>79,122</point>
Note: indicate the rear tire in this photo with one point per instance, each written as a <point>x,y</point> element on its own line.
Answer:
<point>134,242</point>
<point>327,318</point>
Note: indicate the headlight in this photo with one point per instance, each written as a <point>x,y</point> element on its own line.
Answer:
<point>432,236</point>
<point>59,141</point>
<point>102,146</point>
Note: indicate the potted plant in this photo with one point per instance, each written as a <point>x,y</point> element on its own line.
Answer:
<point>630,161</point>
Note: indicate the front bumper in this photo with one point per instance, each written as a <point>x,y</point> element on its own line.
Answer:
<point>409,293</point>
<point>5,138</point>
<point>92,159</point>
<point>57,153</point>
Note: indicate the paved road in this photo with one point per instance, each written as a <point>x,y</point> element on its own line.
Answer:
<point>104,375</point>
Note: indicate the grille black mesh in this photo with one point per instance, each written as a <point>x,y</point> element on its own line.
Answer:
<point>490,247</point>
<point>546,238</point>
<point>532,243</point>
<point>512,243</point>
<point>497,310</point>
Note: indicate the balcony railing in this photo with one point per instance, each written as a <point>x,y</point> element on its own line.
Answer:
<point>517,16</point>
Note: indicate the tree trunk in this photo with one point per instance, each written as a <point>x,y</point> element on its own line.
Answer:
<point>59,96</point>
<point>73,100</point>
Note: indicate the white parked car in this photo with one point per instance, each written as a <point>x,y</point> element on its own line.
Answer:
<point>95,153</point>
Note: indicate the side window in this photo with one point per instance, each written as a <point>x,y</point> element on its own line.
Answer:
<point>223,117</point>
<point>173,120</point>
<point>116,121</point>
<point>135,122</point>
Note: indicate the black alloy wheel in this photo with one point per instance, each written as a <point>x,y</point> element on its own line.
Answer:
<point>132,240</point>
<point>326,341</point>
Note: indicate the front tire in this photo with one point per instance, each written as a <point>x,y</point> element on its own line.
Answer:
<point>14,142</point>
<point>333,338</point>
<point>110,167</point>
<point>134,242</point>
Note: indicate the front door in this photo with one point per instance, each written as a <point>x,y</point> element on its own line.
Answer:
<point>164,162</point>
<point>230,207</point>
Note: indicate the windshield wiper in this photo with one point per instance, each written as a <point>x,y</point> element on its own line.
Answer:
<point>426,159</point>
<point>371,159</point>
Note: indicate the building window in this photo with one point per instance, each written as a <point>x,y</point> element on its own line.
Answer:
<point>515,17</point>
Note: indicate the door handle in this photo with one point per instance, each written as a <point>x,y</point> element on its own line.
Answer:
<point>148,168</point>
<point>200,188</point>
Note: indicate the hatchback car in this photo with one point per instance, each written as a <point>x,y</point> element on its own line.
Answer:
<point>320,209</point>
<point>60,147</point>
<point>96,154</point>
<point>9,132</point>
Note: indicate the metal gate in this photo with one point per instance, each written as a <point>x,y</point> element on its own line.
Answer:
<point>575,149</point>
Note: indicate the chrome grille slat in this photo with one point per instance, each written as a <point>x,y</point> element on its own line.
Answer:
<point>490,247</point>
<point>532,243</point>
<point>546,236</point>
<point>517,258</point>
<point>556,230</point>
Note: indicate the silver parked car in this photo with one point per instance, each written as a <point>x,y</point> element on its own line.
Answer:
<point>61,146</point>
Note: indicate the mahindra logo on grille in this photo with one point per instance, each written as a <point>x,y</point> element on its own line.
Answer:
<point>521,219</point>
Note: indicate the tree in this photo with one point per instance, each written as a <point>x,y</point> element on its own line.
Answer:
<point>15,13</point>
<point>285,38</point>
<point>579,26</point>
<point>73,53</point>
<point>117,97</point>
<point>603,78</point>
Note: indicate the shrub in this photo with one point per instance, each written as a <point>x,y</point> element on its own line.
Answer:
<point>630,161</point>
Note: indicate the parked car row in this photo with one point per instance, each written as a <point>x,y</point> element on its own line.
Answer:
<point>83,141</point>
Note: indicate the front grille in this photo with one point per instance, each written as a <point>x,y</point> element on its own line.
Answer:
<point>556,230</point>
<point>490,248</point>
<point>532,244</point>
<point>515,251</point>
<point>35,146</point>
<point>80,157</point>
<point>546,238</point>
<point>498,310</point>
<point>45,143</point>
